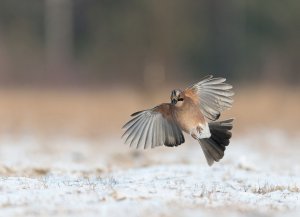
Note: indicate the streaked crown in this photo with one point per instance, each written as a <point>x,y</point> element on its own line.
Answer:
<point>174,95</point>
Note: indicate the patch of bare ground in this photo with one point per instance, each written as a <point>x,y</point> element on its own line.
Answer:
<point>103,111</point>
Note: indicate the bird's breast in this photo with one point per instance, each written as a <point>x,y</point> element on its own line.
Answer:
<point>189,116</point>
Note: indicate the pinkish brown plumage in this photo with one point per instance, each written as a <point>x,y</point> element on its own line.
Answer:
<point>194,111</point>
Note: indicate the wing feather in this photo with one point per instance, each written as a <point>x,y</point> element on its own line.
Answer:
<point>131,126</point>
<point>153,127</point>
<point>149,134</point>
<point>136,133</point>
<point>132,131</point>
<point>143,134</point>
<point>154,134</point>
<point>214,96</point>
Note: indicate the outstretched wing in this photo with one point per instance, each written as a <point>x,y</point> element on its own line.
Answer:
<point>213,94</point>
<point>153,127</point>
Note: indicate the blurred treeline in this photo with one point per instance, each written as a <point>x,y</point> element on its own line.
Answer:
<point>85,42</point>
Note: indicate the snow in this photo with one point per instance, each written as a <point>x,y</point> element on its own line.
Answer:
<point>258,176</point>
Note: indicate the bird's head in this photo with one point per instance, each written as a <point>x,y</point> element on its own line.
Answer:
<point>176,96</point>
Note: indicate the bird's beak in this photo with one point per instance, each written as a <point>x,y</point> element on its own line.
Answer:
<point>174,101</point>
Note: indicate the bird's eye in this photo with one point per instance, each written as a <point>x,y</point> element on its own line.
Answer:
<point>180,99</point>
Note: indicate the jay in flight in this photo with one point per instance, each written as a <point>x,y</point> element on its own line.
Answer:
<point>195,111</point>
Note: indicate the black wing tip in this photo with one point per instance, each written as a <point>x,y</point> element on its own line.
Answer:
<point>136,113</point>
<point>217,116</point>
<point>214,117</point>
<point>177,143</point>
<point>172,145</point>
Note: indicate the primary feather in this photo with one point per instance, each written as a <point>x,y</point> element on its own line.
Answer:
<point>214,96</point>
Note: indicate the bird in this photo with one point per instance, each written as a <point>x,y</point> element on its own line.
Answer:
<point>195,111</point>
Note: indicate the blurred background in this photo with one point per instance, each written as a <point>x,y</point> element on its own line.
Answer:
<point>80,67</point>
<point>72,72</point>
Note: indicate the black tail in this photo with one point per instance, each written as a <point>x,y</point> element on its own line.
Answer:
<point>214,147</point>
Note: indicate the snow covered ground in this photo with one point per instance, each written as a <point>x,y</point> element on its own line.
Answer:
<point>259,176</point>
